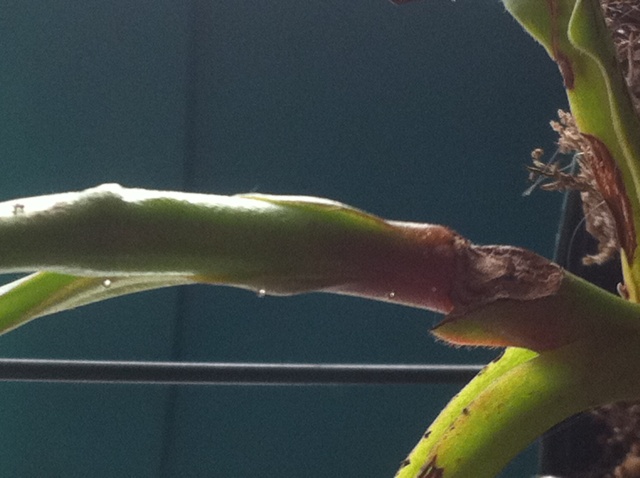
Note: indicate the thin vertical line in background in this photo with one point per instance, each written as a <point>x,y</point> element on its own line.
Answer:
<point>195,25</point>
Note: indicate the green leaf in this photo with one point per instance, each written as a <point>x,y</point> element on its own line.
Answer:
<point>422,459</point>
<point>45,293</point>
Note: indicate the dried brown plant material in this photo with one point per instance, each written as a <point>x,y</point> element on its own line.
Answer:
<point>599,220</point>
<point>630,467</point>
<point>623,21</point>
<point>599,223</point>
<point>619,442</point>
<point>490,273</point>
<point>605,203</point>
<point>611,186</point>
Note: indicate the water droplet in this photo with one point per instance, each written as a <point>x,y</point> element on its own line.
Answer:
<point>391,295</point>
<point>434,289</point>
<point>18,209</point>
<point>106,283</point>
<point>261,293</point>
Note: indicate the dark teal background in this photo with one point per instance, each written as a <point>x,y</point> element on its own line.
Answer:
<point>425,112</point>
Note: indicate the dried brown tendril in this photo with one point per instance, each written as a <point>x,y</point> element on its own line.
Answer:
<point>598,218</point>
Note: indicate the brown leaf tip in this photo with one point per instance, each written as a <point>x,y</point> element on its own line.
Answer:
<point>564,64</point>
<point>566,69</point>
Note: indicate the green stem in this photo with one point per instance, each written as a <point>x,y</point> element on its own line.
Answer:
<point>420,457</point>
<point>530,398</point>
<point>278,245</point>
<point>137,239</point>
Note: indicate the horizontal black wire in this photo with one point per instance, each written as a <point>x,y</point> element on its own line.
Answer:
<point>181,373</point>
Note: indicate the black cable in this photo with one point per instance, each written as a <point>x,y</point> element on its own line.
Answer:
<point>165,373</point>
